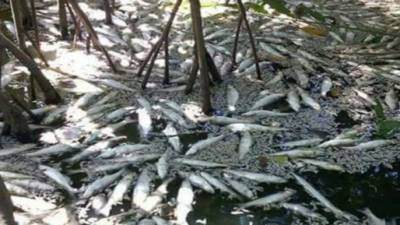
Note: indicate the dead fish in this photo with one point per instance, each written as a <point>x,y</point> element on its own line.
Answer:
<point>200,182</point>
<point>173,105</point>
<point>302,78</point>
<point>305,63</point>
<point>245,64</point>
<point>16,150</point>
<point>123,149</point>
<point>218,184</point>
<point>114,84</point>
<point>301,210</point>
<point>241,188</point>
<point>226,68</point>
<point>204,144</point>
<point>43,110</point>
<point>7,175</point>
<point>326,86</point>
<point>199,163</point>
<point>173,138</point>
<point>32,206</point>
<point>144,119</point>
<point>86,100</point>
<point>271,51</point>
<point>307,100</point>
<point>142,187</point>
<point>267,100</point>
<point>106,167</point>
<point>372,219</point>
<point>301,143</point>
<point>336,37</point>
<point>55,116</point>
<point>270,199</point>
<point>160,221</point>
<point>55,175</point>
<point>17,190</point>
<point>105,100</point>
<point>175,117</point>
<point>100,184</point>
<point>325,202</point>
<point>33,184</point>
<point>298,153</point>
<point>258,177</point>
<point>311,57</point>
<point>100,109</point>
<point>184,202</point>
<point>371,145</point>
<point>393,43</point>
<point>232,98</point>
<point>136,158</point>
<point>172,89</point>
<point>264,113</point>
<point>323,165</point>
<point>278,77</point>
<point>118,193</point>
<point>391,99</point>
<point>365,96</point>
<point>156,197</point>
<point>95,149</point>
<point>162,165</point>
<point>119,114</point>
<point>337,142</point>
<point>240,127</point>
<point>146,222</point>
<point>245,144</point>
<point>218,34</point>
<point>223,120</point>
<point>293,99</point>
<point>144,103</point>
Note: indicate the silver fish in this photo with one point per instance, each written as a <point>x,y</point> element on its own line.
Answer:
<point>308,100</point>
<point>175,117</point>
<point>14,189</point>
<point>200,182</point>
<point>326,86</point>
<point>264,113</point>
<point>223,120</point>
<point>371,145</point>
<point>218,184</point>
<point>232,98</point>
<point>136,158</point>
<point>238,127</point>
<point>302,78</point>
<point>241,188</point>
<point>245,144</point>
<point>365,96</point>
<point>118,193</point>
<point>33,184</point>
<point>144,103</point>
<point>301,210</point>
<point>199,163</point>
<point>293,99</point>
<point>258,177</point>
<point>123,149</point>
<point>118,114</point>
<point>100,109</point>
<point>155,198</point>
<point>337,142</point>
<point>16,150</point>
<point>145,124</point>
<point>160,221</point>
<point>270,199</point>
<point>392,100</point>
<point>278,77</point>
<point>372,219</point>
<point>115,84</point>
<point>107,98</point>
<point>298,153</point>
<point>173,138</point>
<point>162,165</point>
<point>173,105</point>
<point>185,200</point>
<point>6,175</point>
<point>142,187</point>
<point>203,144</point>
<point>267,100</point>
<point>302,143</point>
<point>245,64</point>
<point>325,202</point>
<point>55,115</point>
<point>86,100</point>
<point>100,184</point>
<point>60,179</point>
<point>323,165</point>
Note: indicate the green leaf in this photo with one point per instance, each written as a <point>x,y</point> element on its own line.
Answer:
<point>256,7</point>
<point>280,159</point>
<point>279,6</point>
<point>388,127</point>
<point>378,108</point>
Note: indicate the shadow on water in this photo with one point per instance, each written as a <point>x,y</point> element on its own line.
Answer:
<point>378,189</point>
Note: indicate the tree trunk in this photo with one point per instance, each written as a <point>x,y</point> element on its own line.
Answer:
<point>62,15</point>
<point>18,125</point>
<point>201,54</point>
<point>17,13</point>
<point>51,95</point>
<point>6,206</point>
<point>108,11</point>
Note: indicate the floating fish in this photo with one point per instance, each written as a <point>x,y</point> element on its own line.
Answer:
<point>142,187</point>
<point>323,165</point>
<point>371,145</point>
<point>326,86</point>
<point>199,163</point>
<point>293,99</point>
<point>372,219</point>
<point>302,143</point>
<point>16,150</point>
<point>200,182</point>
<point>241,188</point>
<point>184,202</point>
<point>301,210</point>
<point>267,100</point>
<point>162,165</point>
<point>392,100</point>
<point>232,98</point>
<point>298,153</point>
<point>144,120</point>
<point>218,184</point>
<point>245,144</point>
<point>100,184</point>
<point>264,113</point>
<point>173,138</point>
<point>203,144</point>
<point>308,100</point>
<point>123,149</point>
<point>223,120</point>
<point>337,142</point>
<point>270,199</point>
<point>325,202</point>
<point>258,177</point>
<point>60,179</point>
<point>240,127</point>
